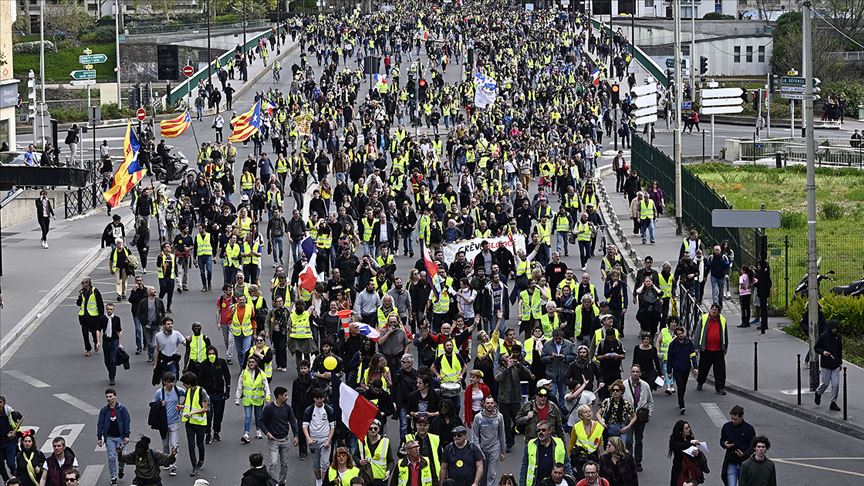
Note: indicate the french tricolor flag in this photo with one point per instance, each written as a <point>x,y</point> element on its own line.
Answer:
<point>368,331</point>
<point>431,272</point>
<point>357,412</point>
<point>308,277</point>
<point>595,77</point>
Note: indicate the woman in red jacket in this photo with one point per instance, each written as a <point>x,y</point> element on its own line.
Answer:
<point>476,392</point>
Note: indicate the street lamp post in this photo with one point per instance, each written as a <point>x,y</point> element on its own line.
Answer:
<point>41,111</point>
<point>810,142</point>
<point>117,15</point>
<point>209,58</point>
<point>679,203</point>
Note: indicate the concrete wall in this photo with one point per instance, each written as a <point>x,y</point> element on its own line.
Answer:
<point>141,64</point>
<point>7,115</point>
<point>657,8</point>
<point>23,208</point>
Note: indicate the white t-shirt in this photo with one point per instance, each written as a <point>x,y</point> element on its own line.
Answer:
<point>168,344</point>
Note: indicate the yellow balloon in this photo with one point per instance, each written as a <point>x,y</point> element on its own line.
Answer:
<point>330,363</point>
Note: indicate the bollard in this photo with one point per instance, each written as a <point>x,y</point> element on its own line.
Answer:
<point>845,401</point>
<point>755,366</point>
<point>799,378</point>
<point>778,160</point>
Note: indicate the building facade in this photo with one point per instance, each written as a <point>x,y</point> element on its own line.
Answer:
<point>8,85</point>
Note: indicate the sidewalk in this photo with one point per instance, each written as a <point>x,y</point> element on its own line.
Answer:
<point>777,350</point>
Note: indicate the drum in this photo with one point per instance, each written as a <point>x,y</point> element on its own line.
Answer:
<point>450,389</point>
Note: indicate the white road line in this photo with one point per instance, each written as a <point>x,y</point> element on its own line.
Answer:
<point>714,413</point>
<point>821,468</point>
<point>91,474</point>
<point>78,403</point>
<point>794,391</point>
<point>34,382</point>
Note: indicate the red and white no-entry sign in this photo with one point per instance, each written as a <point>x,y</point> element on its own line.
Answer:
<point>140,114</point>
<point>188,71</point>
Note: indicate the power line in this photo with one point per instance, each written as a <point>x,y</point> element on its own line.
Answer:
<point>838,30</point>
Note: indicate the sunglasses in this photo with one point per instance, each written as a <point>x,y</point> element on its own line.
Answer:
<point>71,480</point>
<point>259,340</point>
<point>616,390</point>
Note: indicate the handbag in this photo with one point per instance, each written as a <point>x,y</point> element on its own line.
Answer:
<point>642,415</point>
<point>158,417</point>
<point>131,263</point>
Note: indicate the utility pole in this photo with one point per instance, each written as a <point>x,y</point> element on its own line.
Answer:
<point>40,113</point>
<point>209,58</point>
<point>810,141</point>
<point>117,15</point>
<point>679,98</point>
<point>693,57</point>
<point>244,30</point>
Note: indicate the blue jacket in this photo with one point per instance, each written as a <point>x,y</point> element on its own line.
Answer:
<point>681,356</point>
<point>104,422</point>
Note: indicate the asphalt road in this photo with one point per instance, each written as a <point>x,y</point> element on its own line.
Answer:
<point>60,390</point>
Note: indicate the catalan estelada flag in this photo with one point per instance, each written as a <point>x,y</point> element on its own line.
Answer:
<point>129,173</point>
<point>246,124</point>
<point>176,126</point>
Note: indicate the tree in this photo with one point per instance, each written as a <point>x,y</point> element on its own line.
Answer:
<point>67,17</point>
<point>787,49</point>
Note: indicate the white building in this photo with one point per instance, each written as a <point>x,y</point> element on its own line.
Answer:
<point>8,85</point>
<point>660,8</point>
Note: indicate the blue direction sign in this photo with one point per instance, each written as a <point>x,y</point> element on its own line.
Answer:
<point>83,74</point>
<point>92,58</point>
<point>686,105</point>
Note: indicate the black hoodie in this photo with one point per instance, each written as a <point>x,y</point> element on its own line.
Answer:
<point>833,343</point>
<point>256,476</point>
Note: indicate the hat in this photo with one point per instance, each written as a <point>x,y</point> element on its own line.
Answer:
<point>604,316</point>
<point>459,429</point>
<point>421,418</point>
<point>201,482</point>
<point>542,383</point>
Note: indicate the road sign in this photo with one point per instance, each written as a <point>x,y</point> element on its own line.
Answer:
<point>721,93</point>
<point>741,218</point>
<point>94,115</point>
<point>645,101</point>
<point>722,110</point>
<point>83,74</point>
<point>140,114</point>
<point>646,119</point>
<point>82,82</point>
<point>644,111</point>
<point>92,59</point>
<point>644,90</point>
<point>792,80</point>
<point>188,71</point>
<point>722,102</point>
<point>792,96</point>
<point>670,63</point>
<point>686,105</point>
<point>792,89</point>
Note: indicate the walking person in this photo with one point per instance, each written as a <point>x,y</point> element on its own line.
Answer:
<point>680,357</point>
<point>829,347</point>
<point>138,293</point>
<point>171,398</point>
<point>112,431</point>
<point>111,331</point>
<point>736,437</point>
<point>60,464</point>
<point>10,425</point>
<point>44,213</point>
<point>462,461</point>
<point>30,461</point>
<point>758,470</point>
<point>121,265</point>
<point>637,393</point>
<point>166,265</point>
<point>148,463</point>
<point>254,390</point>
<point>195,412</point>
<point>277,420</point>
<point>91,309</point>
<point>717,264</point>
<point>215,377</point>
<point>218,124</point>
<point>150,312</point>
<point>488,432</point>
<point>204,257</point>
<point>713,342</point>
<point>319,425</point>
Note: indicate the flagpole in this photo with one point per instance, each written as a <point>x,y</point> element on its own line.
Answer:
<point>158,222</point>
<point>197,145</point>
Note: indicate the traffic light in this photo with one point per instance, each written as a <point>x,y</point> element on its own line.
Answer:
<point>773,81</point>
<point>703,64</point>
<point>31,95</point>
<point>670,75</point>
<point>616,94</point>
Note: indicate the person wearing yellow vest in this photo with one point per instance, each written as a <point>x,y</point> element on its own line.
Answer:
<point>666,279</point>
<point>546,443</point>
<point>196,349</point>
<point>194,415</point>
<point>300,342</point>
<point>376,453</point>
<point>450,368</point>
<point>253,390</point>
<point>204,257</point>
<point>664,339</point>
<point>530,310</point>
<point>165,272</point>
<point>561,225</point>
<point>121,264</point>
<point>251,258</point>
<point>341,469</point>
<point>647,214</point>
<point>587,435</point>
<point>90,311</point>
<point>412,466</point>
<point>231,260</point>
<point>241,326</point>
<point>584,230</point>
<point>264,354</point>
<point>430,444</point>
<point>712,343</point>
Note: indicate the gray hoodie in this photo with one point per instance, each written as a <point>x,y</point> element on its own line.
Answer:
<point>488,431</point>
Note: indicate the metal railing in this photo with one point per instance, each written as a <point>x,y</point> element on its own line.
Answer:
<point>150,28</point>
<point>83,199</point>
<point>831,152</point>
<point>689,311</point>
<point>646,62</point>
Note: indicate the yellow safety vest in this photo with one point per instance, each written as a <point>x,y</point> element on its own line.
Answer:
<point>88,305</point>
<point>665,284</point>
<point>588,443</point>
<point>666,338</point>
<point>549,325</point>
<point>577,313</point>
<point>114,258</point>
<point>434,442</point>
<point>245,226</point>
<point>522,268</point>
<point>324,241</point>
<point>529,350</point>
<point>404,475</point>
<point>560,454</point>
<point>197,349</point>
<point>160,269</point>
<point>704,325</point>
<point>242,326</point>
<point>531,306</point>
<point>451,371</point>
<point>442,304</point>
<point>300,325</point>
<point>193,401</point>
<point>247,248</point>
<point>599,335</point>
<point>583,231</point>
<point>646,211</point>
<point>367,230</point>
<point>268,368</point>
<point>545,232</point>
<point>562,223</point>
<point>345,479</point>
<point>247,181</point>
<point>378,461</point>
<point>232,256</point>
<point>253,388</point>
<point>204,246</point>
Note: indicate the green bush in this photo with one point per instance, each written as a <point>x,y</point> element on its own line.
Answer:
<point>110,112</point>
<point>852,91</point>
<point>833,211</point>
<point>792,220</point>
<point>718,16</point>
<point>849,311</point>
<point>68,115</point>
<point>105,34</point>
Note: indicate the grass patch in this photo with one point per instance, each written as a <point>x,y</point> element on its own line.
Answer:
<point>59,64</point>
<point>840,215</point>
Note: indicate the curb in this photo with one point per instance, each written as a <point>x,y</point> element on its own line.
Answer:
<point>843,427</point>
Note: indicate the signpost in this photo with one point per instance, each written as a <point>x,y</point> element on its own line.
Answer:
<point>83,74</point>
<point>188,71</point>
<point>92,58</point>
<point>87,76</point>
<point>789,90</point>
<point>141,114</point>
<point>720,101</point>
<point>646,104</point>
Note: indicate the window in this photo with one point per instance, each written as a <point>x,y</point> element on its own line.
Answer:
<point>761,53</point>
<point>737,56</point>
<point>718,6</point>
<point>649,3</point>
<point>749,53</point>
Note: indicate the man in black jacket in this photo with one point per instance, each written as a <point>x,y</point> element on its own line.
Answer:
<point>44,213</point>
<point>829,347</point>
<point>257,474</point>
<point>215,377</point>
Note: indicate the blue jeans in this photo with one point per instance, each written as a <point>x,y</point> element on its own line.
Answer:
<point>559,389</point>
<point>562,242</point>
<point>111,446</point>
<point>138,333</point>
<point>717,289</point>
<point>242,345</point>
<point>369,248</point>
<point>732,473</point>
<point>403,423</point>
<point>247,416</point>
<point>7,455</point>
<point>205,266</point>
<point>648,224</point>
<point>276,248</point>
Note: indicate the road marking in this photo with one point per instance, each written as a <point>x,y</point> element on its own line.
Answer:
<point>91,474</point>
<point>794,391</point>
<point>69,432</point>
<point>34,382</point>
<point>714,413</point>
<point>821,468</point>
<point>819,459</point>
<point>78,403</point>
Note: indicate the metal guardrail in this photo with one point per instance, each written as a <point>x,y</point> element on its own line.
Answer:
<point>10,196</point>
<point>161,28</point>
<point>26,176</point>
<point>830,152</point>
<point>83,199</point>
<point>646,62</point>
<point>689,311</point>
